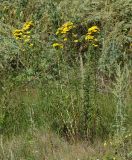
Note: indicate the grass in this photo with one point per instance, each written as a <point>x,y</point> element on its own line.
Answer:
<point>26,138</point>
<point>37,145</point>
<point>43,145</point>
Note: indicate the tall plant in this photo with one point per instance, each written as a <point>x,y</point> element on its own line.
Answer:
<point>120,91</point>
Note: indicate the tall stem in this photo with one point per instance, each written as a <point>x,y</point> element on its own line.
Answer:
<point>82,76</point>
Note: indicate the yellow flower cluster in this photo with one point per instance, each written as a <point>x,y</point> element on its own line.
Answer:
<point>69,32</point>
<point>90,35</point>
<point>27,26</point>
<point>93,29</point>
<point>63,33</point>
<point>66,27</point>
<point>24,33</point>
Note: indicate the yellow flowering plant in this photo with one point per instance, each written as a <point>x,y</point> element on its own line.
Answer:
<point>65,28</point>
<point>65,34</point>
<point>23,35</point>
<point>90,36</point>
<point>76,36</point>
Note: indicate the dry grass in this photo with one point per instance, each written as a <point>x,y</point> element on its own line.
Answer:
<point>47,146</point>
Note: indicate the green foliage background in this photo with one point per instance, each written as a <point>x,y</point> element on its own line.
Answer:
<point>40,86</point>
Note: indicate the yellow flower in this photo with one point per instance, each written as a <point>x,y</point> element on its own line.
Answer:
<point>66,27</point>
<point>65,39</point>
<point>93,29</point>
<point>24,36</point>
<point>31,45</point>
<point>57,45</point>
<point>28,32</point>
<point>76,40</point>
<point>27,26</point>
<point>64,30</point>
<point>89,37</point>
<point>17,33</point>
<point>57,32</point>
<point>28,37</point>
<point>17,38</point>
<point>68,24</point>
<point>95,45</point>
<point>24,33</point>
<point>26,40</point>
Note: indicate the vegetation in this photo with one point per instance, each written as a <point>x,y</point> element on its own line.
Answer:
<point>65,86</point>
